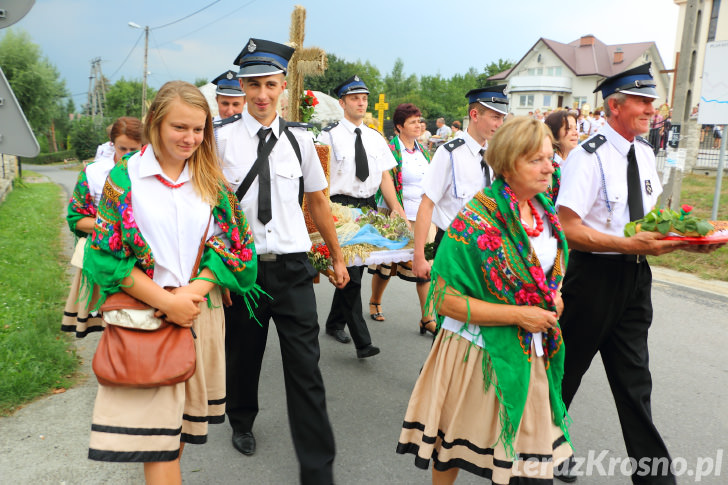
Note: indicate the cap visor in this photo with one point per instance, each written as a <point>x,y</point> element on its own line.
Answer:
<point>497,107</point>
<point>229,92</point>
<point>647,92</point>
<point>259,70</point>
<point>356,91</point>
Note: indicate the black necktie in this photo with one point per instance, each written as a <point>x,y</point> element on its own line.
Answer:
<point>360,157</point>
<point>264,210</point>
<point>484,166</point>
<point>634,188</point>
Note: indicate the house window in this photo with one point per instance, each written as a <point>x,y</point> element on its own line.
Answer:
<point>553,71</point>
<point>579,101</point>
<point>526,100</point>
<point>547,100</point>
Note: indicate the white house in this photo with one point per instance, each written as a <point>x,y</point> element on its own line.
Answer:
<point>552,74</point>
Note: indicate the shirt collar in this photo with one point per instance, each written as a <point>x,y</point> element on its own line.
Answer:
<point>149,167</point>
<point>253,125</point>
<point>473,145</point>
<point>618,141</point>
<point>351,126</point>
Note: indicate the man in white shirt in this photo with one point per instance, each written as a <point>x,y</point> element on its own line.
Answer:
<point>229,95</point>
<point>458,170</point>
<point>271,167</point>
<point>360,164</point>
<point>441,135</point>
<point>610,180</point>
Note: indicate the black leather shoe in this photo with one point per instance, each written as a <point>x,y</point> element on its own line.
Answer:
<point>565,471</point>
<point>367,351</point>
<point>244,442</point>
<point>339,335</point>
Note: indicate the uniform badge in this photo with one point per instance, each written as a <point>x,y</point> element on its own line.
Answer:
<point>648,187</point>
<point>229,75</point>
<point>356,78</point>
<point>252,46</point>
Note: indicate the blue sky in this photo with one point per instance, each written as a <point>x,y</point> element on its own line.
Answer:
<point>431,37</point>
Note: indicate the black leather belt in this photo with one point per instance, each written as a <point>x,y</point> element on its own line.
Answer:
<point>625,258</point>
<point>272,258</point>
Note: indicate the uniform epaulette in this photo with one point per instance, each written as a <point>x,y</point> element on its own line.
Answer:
<point>298,124</point>
<point>644,141</point>
<point>453,144</point>
<point>232,119</point>
<point>330,126</point>
<point>593,143</point>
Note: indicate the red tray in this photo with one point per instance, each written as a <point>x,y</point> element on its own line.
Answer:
<point>716,238</point>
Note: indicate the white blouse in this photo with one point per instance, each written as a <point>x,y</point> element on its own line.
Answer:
<point>172,221</point>
<point>414,166</point>
<point>546,247</point>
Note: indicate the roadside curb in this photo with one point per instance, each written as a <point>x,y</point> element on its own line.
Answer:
<point>686,280</point>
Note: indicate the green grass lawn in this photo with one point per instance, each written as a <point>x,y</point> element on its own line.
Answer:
<point>698,191</point>
<point>35,357</point>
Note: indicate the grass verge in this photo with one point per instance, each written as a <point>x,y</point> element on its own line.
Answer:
<point>698,191</point>
<point>35,357</point>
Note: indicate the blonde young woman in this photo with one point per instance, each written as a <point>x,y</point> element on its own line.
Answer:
<point>152,216</point>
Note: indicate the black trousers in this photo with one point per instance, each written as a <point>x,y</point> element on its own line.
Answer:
<point>346,306</point>
<point>293,308</point>
<point>608,309</point>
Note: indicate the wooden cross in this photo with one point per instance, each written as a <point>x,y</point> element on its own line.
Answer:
<point>310,61</point>
<point>381,107</point>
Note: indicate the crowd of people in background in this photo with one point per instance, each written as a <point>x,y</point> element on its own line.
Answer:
<point>499,198</point>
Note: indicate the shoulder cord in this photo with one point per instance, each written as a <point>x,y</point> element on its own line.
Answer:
<point>454,181</point>
<point>333,149</point>
<point>610,209</point>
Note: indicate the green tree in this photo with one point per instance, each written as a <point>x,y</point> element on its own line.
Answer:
<point>124,98</point>
<point>35,81</point>
<point>339,71</point>
<point>200,81</point>
<point>492,69</point>
<point>86,136</point>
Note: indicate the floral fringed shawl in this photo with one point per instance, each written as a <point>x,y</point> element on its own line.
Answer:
<point>553,191</point>
<point>81,204</point>
<point>117,244</point>
<point>396,172</point>
<point>487,255</point>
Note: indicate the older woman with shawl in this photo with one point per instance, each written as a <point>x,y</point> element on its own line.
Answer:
<point>412,161</point>
<point>488,399</point>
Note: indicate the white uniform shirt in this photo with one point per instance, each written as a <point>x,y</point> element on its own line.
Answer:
<point>583,182</point>
<point>452,179</point>
<point>414,166</point>
<point>238,147</point>
<point>171,220</point>
<point>104,150</point>
<point>546,248</point>
<point>96,174</point>
<point>342,171</point>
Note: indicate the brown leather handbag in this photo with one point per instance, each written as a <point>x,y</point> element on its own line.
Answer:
<point>133,357</point>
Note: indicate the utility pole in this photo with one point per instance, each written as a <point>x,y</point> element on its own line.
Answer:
<point>144,78</point>
<point>682,130</point>
<point>144,81</point>
<point>96,90</point>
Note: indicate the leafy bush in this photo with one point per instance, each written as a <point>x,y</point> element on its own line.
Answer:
<point>46,158</point>
<point>86,136</point>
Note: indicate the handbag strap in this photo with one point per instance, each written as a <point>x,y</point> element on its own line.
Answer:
<point>201,248</point>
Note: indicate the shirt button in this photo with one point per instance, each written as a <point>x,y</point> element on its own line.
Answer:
<point>270,230</point>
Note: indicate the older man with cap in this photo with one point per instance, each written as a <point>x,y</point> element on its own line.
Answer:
<point>271,166</point>
<point>360,165</point>
<point>610,180</point>
<point>458,170</point>
<point>228,94</point>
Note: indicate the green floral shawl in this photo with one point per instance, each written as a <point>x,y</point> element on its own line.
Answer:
<point>487,255</point>
<point>396,172</point>
<point>117,244</point>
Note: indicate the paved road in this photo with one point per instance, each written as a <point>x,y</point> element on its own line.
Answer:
<point>46,441</point>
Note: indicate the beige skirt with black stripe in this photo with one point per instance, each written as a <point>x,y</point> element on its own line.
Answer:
<point>147,425</point>
<point>452,421</point>
<point>76,315</point>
